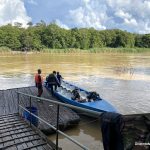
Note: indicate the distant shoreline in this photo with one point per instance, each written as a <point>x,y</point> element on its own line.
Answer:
<point>95,50</point>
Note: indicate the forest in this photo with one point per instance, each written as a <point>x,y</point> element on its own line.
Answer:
<point>51,36</point>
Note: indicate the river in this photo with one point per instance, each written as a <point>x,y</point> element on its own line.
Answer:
<point>122,79</point>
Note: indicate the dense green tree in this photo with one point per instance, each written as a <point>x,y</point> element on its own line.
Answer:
<point>38,36</point>
<point>146,40</point>
<point>142,40</point>
<point>10,37</point>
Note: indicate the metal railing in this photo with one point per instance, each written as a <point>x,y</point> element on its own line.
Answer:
<point>57,125</point>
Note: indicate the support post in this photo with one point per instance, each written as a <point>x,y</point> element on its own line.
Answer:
<point>57,127</point>
<point>30,111</point>
<point>18,100</point>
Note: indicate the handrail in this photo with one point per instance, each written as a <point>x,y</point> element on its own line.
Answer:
<point>97,114</point>
<point>56,129</point>
<point>71,139</point>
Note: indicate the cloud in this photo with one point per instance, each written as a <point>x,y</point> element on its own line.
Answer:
<point>89,14</point>
<point>60,24</point>
<point>134,14</point>
<point>130,15</point>
<point>12,11</point>
<point>33,2</point>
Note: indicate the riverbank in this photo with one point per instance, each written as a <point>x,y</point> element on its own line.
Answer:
<point>72,50</point>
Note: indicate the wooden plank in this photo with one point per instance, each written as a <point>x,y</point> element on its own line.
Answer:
<point>6,145</point>
<point>10,100</point>
<point>22,137</point>
<point>36,145</point>
<point>8,115</point>
<point>10,126</point>
<point>14,129</point>
<point>7,120</point>
<point>15,133</point>
<point>2,103</point>
<point>13,148</point>
<point>15,100</point>
<point>11,123</point>
<point>49,143</point>
<point>16,138</point>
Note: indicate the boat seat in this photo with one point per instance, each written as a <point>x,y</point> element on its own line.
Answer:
<point>68,87</point>
<point>59,89</point>
<point>68,95</point>
<point>71,88</point>
<point>63,84</point>
<point>65,90</point>
<point>83,94</point>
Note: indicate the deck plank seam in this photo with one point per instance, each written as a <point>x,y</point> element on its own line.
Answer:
<point>14,129</point>
<point>21,142</point>
<point>15,133</point>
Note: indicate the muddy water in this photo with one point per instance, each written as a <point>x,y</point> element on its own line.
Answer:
<point>122,79</point>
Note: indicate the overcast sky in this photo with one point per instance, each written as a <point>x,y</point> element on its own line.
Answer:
<point>130,15</point>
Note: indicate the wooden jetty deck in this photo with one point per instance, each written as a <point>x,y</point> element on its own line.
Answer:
<point>17,134</point>
<point>9,104</point>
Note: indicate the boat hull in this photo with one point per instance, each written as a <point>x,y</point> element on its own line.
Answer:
<point>99,105</point>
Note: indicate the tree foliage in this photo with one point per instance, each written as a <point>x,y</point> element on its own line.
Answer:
<point>52,36</point>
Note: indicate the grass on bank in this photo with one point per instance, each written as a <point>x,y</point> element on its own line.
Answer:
<point>5,49</point>
<point>97,50</point>
<point>73,50</point>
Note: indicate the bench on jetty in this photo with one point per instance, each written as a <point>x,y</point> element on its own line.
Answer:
<point>15,133</point>
<point>9,104</point>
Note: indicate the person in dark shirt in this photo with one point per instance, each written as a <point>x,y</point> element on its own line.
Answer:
<point>53,81</point>
<point>76,95</point>
<point>59,77</point>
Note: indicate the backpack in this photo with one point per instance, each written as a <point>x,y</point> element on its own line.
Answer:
<point>94,96</point>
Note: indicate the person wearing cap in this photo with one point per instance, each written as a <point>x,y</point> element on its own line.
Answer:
<point>38,82</point>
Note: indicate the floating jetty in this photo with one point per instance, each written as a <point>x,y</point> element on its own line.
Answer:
<point>46,110</point>
<point>15,133</point>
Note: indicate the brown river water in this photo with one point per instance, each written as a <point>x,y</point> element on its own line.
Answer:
<point>122,79</point>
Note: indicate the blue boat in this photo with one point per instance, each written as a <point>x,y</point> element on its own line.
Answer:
<point>64,93</point>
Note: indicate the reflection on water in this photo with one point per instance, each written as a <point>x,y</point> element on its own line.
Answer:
<point>122,79</point>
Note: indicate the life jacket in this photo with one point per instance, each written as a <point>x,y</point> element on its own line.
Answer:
<point>38,78</point>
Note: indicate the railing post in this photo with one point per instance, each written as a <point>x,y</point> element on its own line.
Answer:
<point>18,101</point>
<point>30,111</point>
<point>57,127</point>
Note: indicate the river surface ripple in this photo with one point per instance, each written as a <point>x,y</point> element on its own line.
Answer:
<point>122,79</point>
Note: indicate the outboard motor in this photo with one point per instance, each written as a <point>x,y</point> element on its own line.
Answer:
<point>111,127</point>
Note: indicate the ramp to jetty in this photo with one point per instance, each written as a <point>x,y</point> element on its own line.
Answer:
<point>17,134</point>
<point>9,104</point>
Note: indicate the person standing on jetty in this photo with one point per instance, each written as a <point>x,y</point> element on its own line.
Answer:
<point>52,81</point>
<point>38,82</point>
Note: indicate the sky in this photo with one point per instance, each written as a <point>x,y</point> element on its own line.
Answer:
<point>130,15</point>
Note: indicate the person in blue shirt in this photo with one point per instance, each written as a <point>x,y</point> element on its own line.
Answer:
<point>59,77</point>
